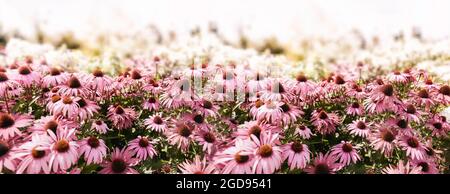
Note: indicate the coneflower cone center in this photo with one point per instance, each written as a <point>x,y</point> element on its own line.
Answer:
<point>402,123</point>
<point>412,142</point>
<point>285,107</point>
<point>184,131</point>
<point>37,153</point>
<point>255,130</point>
<point>297,147</point>
<point>157,120</point>
<point>437,125</point>
<point>143,142</point>
<point>24,70</point>
<point>361,125</point>
<point>62,146</point>
<point>207,104</point>
<point>52,125</point>
<point>93,142</point>
<point>425,166</point>
<point>423,94</point>
<point>209,137</point>
<point>240,159</point>
<point>3,77</point>
<point>388,90</point>
<point>118,165</point>
<point>410,109</point>
<point>4,148</point>
<point>6,120</point>
<point>388,136</point>
<point>445,90</point>
<point>346,147</point>
<point>322,169</point>
<point>54,72</point>
<point>199,119</point>
<point>73,82</point>
<point>265,151</point>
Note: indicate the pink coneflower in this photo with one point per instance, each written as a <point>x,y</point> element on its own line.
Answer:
<point>34,156</point>
<point>51,123</point>
<point>290,113</point>
<point>360,128</point>
<point>6,83</point>
<point>428,84</point>
<point>277,91</point>
<point>438,126</point>
<point>443,95</point>
<point>181,135</point>
<point>355,109</point>
<point>237,159</point>
<point>142,147</point>
<point>7,159</point>
<point>257,82</point>
<point>334,84</point>
<point>122,118</point>
<point>73,87</point>
<point>121,162</point>
<point>152,86</point>
<point>100,127</point>
<point>197,120</point>
<point>297,154</point>
<point>207,108</point>
<point>26,77</point>
<point>402,126</point>
<point>402,168</point>
<point>255,105</point>
<point>151,104</point>
<point>324,122</point>
<point>383,98</point>
<point>323,164</point>
<point>52,101</point>
<point>384,139</point>
<point>64,152</point>
<point>397,77</point>
<point>427,166</point>
<point>179,94</point>
<point>94,150</point>
<point>135,77</point>
<point>10,124</point>
<point>302,86</point>
<point>13,92</point>
<point>271,112</point>
<point>197,71</point>
<point>54,78</point>
<point>157,123</point>
<point>267,153</point>
<point>86,108</point>
<point>208,139</point>
<point>346,153</point>
<point>197,166</point>
<point>304,131</point>
<point>227,78</point>
<point>356,92</point>
<point>98,81</point>
<point>249,128</point>
<point>413,147</point>
<point>67,106</point>
<point>410,113</point>
<point>423,98</point>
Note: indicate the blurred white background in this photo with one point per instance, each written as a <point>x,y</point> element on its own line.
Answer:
<point>282,18</point>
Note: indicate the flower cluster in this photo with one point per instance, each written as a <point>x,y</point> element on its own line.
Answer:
<point>218,118</point>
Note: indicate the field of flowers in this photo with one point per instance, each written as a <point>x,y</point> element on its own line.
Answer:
<point>201,105</point>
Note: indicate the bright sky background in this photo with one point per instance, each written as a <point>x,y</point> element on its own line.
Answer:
<point>283,18</point>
